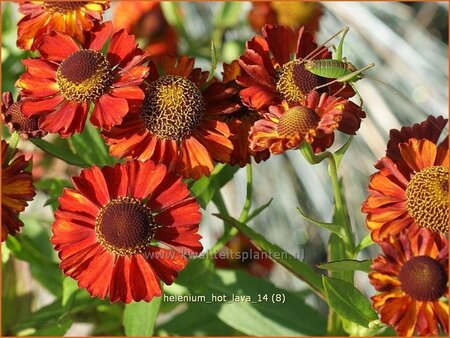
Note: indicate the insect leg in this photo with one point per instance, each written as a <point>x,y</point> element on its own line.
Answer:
<point>357,94</point>
<point>341,89</point>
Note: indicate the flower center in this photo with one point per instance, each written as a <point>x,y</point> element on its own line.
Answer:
<point>19,121</point>
<point>125,226</point>
<point>427,198</point>
<point>423,278</point>
<point>63,6</point>
<point>297,120</point>
<point>295,82</point>
<point>173,107</point>
<point>85,75</point>
<point>294,13</point>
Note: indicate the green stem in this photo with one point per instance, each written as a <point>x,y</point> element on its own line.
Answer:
<point>340,207</point>
<point>342,246</point>
<point>230,231</point>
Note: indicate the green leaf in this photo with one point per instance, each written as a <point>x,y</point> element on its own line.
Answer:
<point>228,14</point>
<point>48,319</point>
<point>60,152</point>
<point>56,330</point>
<point>139,318</point>
<point>347,265</point>
<point>296,266</point>
<point>339,154</point>
<point>327,226</point>
<point>54,187</point>
<point>213,62</point>
<point>355,330</point>
<point>348,302</point>
<point>45,270</point>
<point>173,16</point>
<point>205,188</point>
<point>89,146</point>
<point>259,210</point>
<point>247,310</point>
<point>197,274</point>
<point>365,242</point>
<point>7,18</point>
<point>70,287</point>
<point>195,321</point>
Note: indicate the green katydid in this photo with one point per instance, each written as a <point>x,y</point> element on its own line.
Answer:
<point>343,71</point>
<point>338,68</point>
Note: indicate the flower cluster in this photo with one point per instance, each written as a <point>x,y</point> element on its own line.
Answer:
<point>408,215</point>
<point>122,230</point>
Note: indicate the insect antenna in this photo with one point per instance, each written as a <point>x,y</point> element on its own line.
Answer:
<point>323,46</point>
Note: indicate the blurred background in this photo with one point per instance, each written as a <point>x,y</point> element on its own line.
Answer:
<point>408,42</point>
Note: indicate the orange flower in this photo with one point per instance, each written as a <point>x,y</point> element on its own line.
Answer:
<point>273,68</point>
<point>240,121</point>
<point>240,252</point>
<point>293,14</point>
<point>412,278</point>
<point>16,121</point>
<point>17,189</point>
<point>410,189</point>
<point>146,21</point>
<point>70,17</point>
<point>123,229</point>
<point>314,120</point>
<point>60,85</point>
<point>177,124</point>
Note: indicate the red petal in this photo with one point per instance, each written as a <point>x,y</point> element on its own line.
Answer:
<point>133,77</point>
<point>98,274</point>
<point>121,47</point>
<point>91,183</point>
<point>117,178</point>
<point>30,108</point>
<point>57,46</point>
<point>35,87</point>
<point>183,213</point>
<point>96,38</point>
<point>120,281</point>
<point>278,39</point>
<point>195,160</point>
<point>40,68</point>
<point>185,239</point>
<point>181,66</point>
<point>144,283</point>
<point>134,92</point>
<point>67,120</point>
<point>144,178</point>
<point>165,263</point>
<point>109,111</point>
<point>170,191</point>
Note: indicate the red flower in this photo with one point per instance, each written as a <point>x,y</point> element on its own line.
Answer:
<point>108,230</point>
<point>146,21</point>
<point>177,124</point>
<point>411,188</point>
<point>61,84</point>
<point>240,121</point>
<point>240,252</point>
<point>16,121</point>
<point>17,189</point>
<point>293,14</point>
<point>411,279</point>
<point>273,68</point>
<point>70,17</point>
<point>313,120</point>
